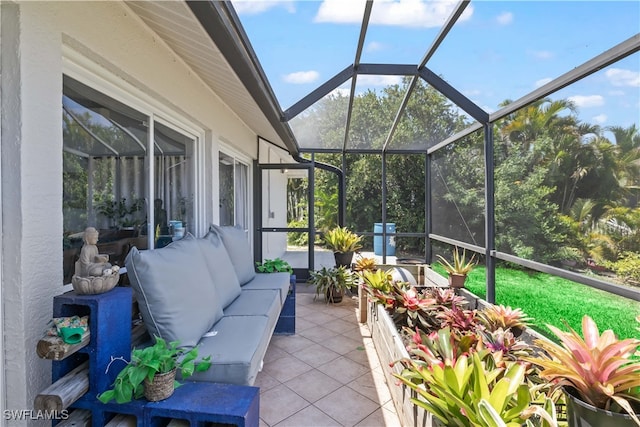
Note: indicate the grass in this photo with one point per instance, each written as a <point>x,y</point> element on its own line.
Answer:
<point>550,299</point>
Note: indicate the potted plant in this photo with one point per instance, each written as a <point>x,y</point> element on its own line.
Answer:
<point>277,265</point>
<point>152,370</point>
<point>598,374</point>
<point>343,243</point>
<point>459,269</point>
<point>332,282</point>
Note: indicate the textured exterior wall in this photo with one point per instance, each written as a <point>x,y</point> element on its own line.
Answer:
<point>32,64</point>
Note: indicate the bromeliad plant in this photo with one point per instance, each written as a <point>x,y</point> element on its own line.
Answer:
<point>499,316</point>
<point>475,390</point>
<point>600,368</point>
<point>146,363</point>
<point>341,239</point>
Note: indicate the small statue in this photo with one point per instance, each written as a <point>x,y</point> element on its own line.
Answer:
<point>91,263</point>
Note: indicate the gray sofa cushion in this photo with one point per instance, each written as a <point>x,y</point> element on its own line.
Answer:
<point>223,275</point>
<point>174,291</point>
<point>236,349</point>
<point>252,302</point>
<point>235,240</point>
<point>279,281</point>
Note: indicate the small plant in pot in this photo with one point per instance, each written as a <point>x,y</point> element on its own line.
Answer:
<point>598,373</point>
<point>459,268</point>
<point>152,370</point>
<point>332,282</point>
<point>277,265</point>
<point>343,243</point>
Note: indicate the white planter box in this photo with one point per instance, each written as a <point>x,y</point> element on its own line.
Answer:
<point>390,349</point>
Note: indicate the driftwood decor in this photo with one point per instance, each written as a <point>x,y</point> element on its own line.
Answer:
<point>61,394</point>
<point>54,348</point>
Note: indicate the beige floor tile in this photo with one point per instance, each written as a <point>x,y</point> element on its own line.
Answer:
<point>372,385</point>
<point>359,355</point>
<point>339,325</point>
<point>291,343</point>
<point>380,418</point>
<point>343,369</point>
<point>346,406</point>
<point>262,423</point>
<point>280,403</point>
<point>309,417</point>
<point>313,385</point>
<point>318,334</point>
<point>353,332</point>
<point>286,368</point>
<point>265,381</point>
<point>341,344</point>
<point>302,325</point>
<point>319,318</point>
<point>316,355</point>
<point>274,353</point>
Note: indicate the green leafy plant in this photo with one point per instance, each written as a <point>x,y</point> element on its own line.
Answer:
<point>149,361</point>
<point>600,368</point>
<point>460,264</point>
<point>341,239</point>
<point>276,265</point>
<point>627,267</point>
<point>332,281</point>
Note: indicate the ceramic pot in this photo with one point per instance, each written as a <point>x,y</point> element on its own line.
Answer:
<point>343,258</point>
<point>581,414</point>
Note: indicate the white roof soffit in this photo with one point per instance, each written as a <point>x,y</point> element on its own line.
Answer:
<point>176,23</point>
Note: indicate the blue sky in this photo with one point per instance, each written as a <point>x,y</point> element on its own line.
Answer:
<point>498,49</point>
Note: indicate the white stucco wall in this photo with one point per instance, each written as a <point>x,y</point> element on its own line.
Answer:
<point>127,55</point>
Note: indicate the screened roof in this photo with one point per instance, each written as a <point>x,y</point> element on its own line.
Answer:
<point>322,59</point>
<point>303,74</point>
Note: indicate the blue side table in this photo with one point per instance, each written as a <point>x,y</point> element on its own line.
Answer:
<point>200,402</point>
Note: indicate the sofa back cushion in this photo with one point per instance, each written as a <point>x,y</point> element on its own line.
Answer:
<point>173,287</point>
<point>235,240</point>
<point>223,275</point>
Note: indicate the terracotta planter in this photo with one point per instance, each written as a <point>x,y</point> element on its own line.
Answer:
<point>581,414</point>
<point>161,387</point>
<point>457,280</point>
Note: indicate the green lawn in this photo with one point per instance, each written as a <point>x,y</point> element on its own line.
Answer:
<point>550,299</point>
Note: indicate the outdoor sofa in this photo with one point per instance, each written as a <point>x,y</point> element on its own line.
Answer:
<point>205,292</point>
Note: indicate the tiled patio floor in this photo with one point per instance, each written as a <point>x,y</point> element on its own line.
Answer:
<point>327,374</point>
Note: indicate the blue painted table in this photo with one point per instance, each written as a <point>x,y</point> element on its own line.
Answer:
<point>199,403</point>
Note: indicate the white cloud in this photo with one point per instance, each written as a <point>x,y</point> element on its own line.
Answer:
<point>488,109</point>
<point>373,80</point>
<point>600,118</point>
<point>301,77</point>
<point>375,47</point>
<point>505,18</point>
<point>587,101</point>
<point>403,13</point>
<point>255,7</point>
<point>620,77</point>
<point>616,93</point>
<point>543,82</point>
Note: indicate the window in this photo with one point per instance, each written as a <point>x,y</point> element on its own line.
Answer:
<point>107,176</point>
<point>234,191</point>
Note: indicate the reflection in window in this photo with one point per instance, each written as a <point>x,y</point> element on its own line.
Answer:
<point>234,192</point>
<point>106,175</point>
